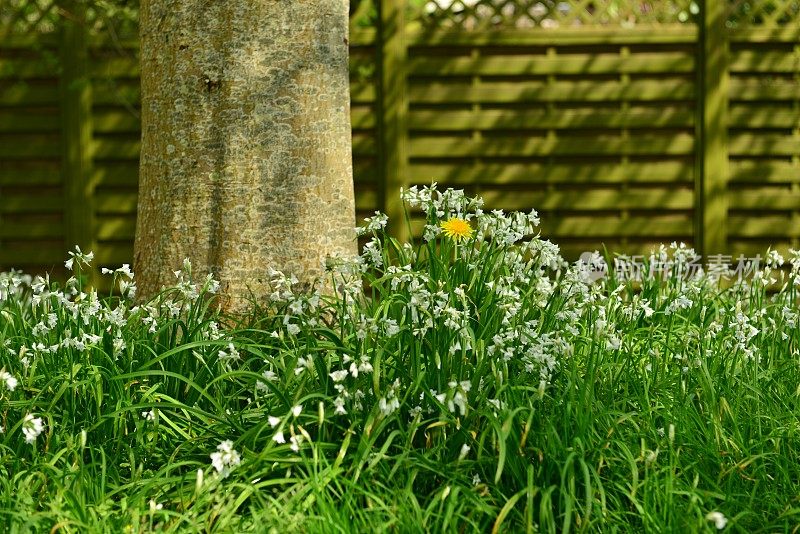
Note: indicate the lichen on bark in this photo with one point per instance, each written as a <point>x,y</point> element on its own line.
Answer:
<point>246,151</point>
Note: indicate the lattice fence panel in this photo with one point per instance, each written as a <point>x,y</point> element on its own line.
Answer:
<point>485,14</point>
<point>763,13</point>
<point>28,16</point>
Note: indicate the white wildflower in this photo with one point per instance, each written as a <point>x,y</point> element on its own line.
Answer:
<point>225,459</point>
<point>719,520</point>
<point>8,378</point>
<point>32,427</point>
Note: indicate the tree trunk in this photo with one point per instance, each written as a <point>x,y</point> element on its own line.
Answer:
<point>246,151</point>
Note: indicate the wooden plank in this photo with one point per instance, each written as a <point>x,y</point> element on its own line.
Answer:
<point>713,187</point>
<point>115,149</point>
<point>30,146</point>
<point>115,121</point>
<point>28,94</point>
<point>394,112</point>
<point>115,203</point>
<point>594,200</point>
<point>106,68</point>
<point>764,227</point>
<point>759,89</point>
<point>28,204</point>
<point>447,120</point>
<point>21,69</point>
<point>16,121</point>
<point>764,61</point>
<point>665,62</point>
<point>559,91</point>
<point>764,172</point>
<point>538,173</point>
<point>30,41</point>
<point>35,254</point>
<point>116,228</point>
<point>15,230</point>
<point>756,200</point>
<point>116,93</point>
<point>763,144</point>
<point>115,175</point>
<point>114,253</point>
<point>598,227</point>
<point>640,34</point>
<point>754,116</point>
<point>776,34</point>
<point>678,144</point>
<point>25,175</point>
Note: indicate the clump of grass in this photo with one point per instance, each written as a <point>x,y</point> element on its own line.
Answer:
<point>470,381</point>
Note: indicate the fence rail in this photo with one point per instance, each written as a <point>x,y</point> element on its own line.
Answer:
<point>677,129</point>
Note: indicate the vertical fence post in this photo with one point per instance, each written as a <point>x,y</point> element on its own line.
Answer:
<point>713,191</point>
<point>76,129</point>
<point>393,106</point>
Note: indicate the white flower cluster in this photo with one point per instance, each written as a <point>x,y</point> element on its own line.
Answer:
<point>225,459</point>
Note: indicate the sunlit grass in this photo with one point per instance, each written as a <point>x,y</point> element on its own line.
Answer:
<point>477,384</point>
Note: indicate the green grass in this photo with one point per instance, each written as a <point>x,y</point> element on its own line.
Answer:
<point>478,385</point>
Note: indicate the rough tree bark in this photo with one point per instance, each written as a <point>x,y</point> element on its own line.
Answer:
<point>246,151</point>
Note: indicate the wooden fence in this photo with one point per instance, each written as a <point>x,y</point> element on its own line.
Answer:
<point>683,126</point>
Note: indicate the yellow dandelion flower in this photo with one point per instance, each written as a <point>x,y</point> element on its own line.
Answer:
<point>456,229</point>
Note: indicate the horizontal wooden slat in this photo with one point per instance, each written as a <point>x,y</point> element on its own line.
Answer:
<point>789,34</point>
<point>25,175</point>
<point>14,230</point>
<point>677,144</point>
<point>763,145</point>
<point>534,173</point>
<point>25,68</point>
<point>666,62</point>
<point>446,120</point>
<point>16,121</point>
<point>598,227</point>
<point>115,203</point>
<point>33,255</point>
<point>31,204</point>
<point>764,61</point>
<point>26,94</point>
<point>115,121</point>
<point>116,149</point>
<point>561,91</point>
<point>779,200</point>
<point>764,227</point>
<point>754,116</point>
<point>764,172</point>
<point>115,228</point>
<point>113,254</point>
<point>30,146</point>
<point>760,89</point>
<point>644,34</point>
<point>115,175</point>
<point>665,199</point>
